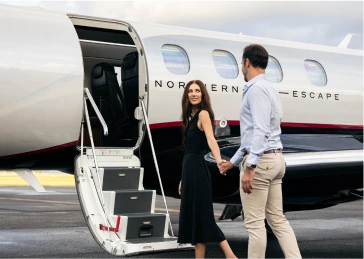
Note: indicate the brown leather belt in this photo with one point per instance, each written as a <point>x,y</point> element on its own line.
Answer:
<point>267,152</point>
<point>273,151</point>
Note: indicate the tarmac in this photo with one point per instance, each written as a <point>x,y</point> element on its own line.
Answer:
<point>46,178</point>
<point>51,225</point>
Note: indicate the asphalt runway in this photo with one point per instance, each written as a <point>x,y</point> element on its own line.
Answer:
<point>51,225</point>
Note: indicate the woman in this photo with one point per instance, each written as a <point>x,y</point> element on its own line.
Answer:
<point>196,221</point>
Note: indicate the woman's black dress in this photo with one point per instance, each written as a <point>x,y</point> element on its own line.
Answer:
<point>196,220</point>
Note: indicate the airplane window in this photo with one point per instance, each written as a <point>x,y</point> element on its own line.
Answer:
<point>273,72</point>
<point>225,64</point>
<point>176,59</point>
<point>315,72</point>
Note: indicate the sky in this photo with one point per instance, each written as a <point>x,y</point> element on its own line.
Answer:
<point>317,22</point>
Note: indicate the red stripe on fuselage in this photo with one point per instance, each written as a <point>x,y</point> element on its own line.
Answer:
<point>320,126</point>
<point>73,143</point>
<point>284,124</point>
<point>179,123</point>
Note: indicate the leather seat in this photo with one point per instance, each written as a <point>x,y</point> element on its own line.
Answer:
<point>130,86</point>
<point>110,101</point>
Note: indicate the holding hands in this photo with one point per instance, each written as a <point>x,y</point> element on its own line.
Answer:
<point>224,166</point>
<point>246,180</point>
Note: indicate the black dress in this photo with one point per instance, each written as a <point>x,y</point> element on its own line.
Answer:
<point>196,220</point>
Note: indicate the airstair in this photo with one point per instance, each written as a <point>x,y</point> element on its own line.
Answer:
<point>119,213</point>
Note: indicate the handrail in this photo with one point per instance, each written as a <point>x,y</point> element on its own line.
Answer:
<point>91,137</point>
<point>101,196</point>
<point>98,113</point>
<point>155,161</point>
<point>82,138</point>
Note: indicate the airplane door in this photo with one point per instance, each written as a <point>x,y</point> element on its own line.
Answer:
<point>41,81</point>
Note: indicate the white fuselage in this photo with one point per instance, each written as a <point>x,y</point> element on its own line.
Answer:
<point>42,79</point>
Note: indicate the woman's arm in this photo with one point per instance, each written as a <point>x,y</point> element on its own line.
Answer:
<point>205,121</point>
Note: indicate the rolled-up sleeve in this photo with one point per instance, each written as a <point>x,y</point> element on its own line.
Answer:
<point>260,107</point>
<point>238,157</point>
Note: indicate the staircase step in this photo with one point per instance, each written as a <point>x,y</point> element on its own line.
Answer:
<point>152,240</point>
<point>134,201</point>
<point>130,226</point>
<point>130,201</point>
<point>145,225</point>
<point>122,178</point>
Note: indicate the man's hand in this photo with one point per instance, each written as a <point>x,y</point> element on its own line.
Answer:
<point>247,180</point>
<point>225,167</point>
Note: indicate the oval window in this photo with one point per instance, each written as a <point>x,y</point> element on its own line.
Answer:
<point>273,72</point>
<point>315,72</point>
<point>225,64</point>
<point>176,59</point>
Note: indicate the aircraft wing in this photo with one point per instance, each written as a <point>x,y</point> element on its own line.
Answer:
<point>309,155</point>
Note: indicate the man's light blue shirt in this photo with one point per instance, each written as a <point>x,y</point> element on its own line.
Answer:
<point>260,118</point>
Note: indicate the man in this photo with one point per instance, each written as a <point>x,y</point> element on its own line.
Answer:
<point>263,165</point>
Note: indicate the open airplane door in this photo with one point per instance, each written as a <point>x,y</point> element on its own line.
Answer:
<point>109,178</point>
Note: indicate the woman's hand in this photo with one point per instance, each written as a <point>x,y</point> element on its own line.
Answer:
<point>219,163</point>
<point>179,188</point>
<point>221,166</point>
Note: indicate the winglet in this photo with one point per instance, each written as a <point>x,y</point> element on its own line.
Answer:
<point>344,44</point>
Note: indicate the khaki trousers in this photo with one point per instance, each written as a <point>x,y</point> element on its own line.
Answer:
<point>265,201</point>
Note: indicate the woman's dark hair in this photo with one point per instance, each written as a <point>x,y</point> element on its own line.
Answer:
<point>205,104</point>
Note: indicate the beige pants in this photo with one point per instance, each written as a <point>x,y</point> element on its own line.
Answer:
<point>265,201</point>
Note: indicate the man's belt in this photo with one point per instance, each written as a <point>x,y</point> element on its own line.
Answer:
<point>273,151</point>
<point>267,152</point>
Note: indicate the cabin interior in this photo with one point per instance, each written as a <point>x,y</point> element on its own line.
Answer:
<point>111,73</point>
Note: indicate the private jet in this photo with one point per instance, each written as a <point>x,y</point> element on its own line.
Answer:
<point>101,99</point>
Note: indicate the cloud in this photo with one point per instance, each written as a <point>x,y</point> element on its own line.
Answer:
<point>319,22</point>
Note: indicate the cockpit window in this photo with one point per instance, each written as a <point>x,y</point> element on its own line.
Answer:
<point>225,64</point>
<point>273,72</point>
<point>315,72</point>
<point>176,59</point>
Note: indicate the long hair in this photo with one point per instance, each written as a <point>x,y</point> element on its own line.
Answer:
<point>205,104</point>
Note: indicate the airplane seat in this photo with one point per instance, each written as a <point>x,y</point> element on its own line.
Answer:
<point>130,86</point>
<point>110,101</point>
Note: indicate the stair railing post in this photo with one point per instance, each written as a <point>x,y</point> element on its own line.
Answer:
<point>155,161</point>
<point>101,196</point>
